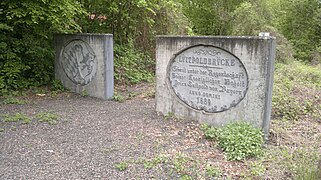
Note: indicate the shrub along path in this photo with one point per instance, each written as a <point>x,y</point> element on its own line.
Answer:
<point>95,139</point>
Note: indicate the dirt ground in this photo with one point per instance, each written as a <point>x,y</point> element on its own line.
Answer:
<point>96,139</point>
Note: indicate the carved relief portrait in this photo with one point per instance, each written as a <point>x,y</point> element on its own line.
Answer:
<point>79,62</point>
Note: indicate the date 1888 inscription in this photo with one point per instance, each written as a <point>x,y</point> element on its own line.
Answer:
<point>208,78</point>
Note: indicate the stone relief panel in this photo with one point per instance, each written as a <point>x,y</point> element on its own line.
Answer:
<point>79,62</point>
<point>208,78</point>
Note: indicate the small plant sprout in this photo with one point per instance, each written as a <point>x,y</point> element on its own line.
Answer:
<point>213,171</point>
<point>118,98</point>
<point>84,93</point>
<point>122,166</point>
<point>170,115</point>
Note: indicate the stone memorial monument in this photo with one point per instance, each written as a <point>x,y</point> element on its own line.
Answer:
<point>84,63</point>
<point>216,80</point>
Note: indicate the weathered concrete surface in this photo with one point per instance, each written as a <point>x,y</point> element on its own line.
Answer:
<point>257,54</point>
<point>84,63</point>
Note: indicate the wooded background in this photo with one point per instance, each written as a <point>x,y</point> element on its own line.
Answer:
<point>27,28</point>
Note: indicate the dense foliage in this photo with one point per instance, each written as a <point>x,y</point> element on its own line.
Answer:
<point>211,17</point>
<point>294,21</point>
<point>134,25</point>
<point>26,32</point>
<point>137,20</point>
<point>27,28</point>
<point>132,65</point>
<point>300,22</point>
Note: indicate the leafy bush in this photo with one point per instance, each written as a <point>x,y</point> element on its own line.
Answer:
<point>249,18</point>
<point>238,140</point>
<point>218,15</point>
<point>131,65</point>
<point>56,85</point>
<point>299,21</point>
<point>210,132</point>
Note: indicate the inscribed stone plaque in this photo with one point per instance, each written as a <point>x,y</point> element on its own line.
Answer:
<point>78,61</point>
<point>208,78</point>
<point>84,63</point>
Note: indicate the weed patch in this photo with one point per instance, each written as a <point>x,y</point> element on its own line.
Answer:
<point>149,164</point>
<point>299,163</point>
<point>122,166</point>
<point>178,166</point>
<point>296,91</point>
<point>238,140</point>
<point>257,168</point>
<point>171,116</point>
<point>213,172</point>
<point>47,117</point>
<point>18,117</point>
<point>150,94</point>
<point>13,100</point>
<point>118,97</point>
<point>84,93</point>
<point>56,85</point>
<point>179,163</point>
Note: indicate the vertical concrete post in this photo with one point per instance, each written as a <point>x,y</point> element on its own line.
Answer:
<point>84,63</point>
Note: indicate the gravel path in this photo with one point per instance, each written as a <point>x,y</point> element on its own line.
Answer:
<point>92,136</point>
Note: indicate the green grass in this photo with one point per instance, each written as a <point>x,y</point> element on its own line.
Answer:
<point>179,162</point>
<point>297,113</point>
<point>292,152</point>
<point>47,117</point>
<point>149,164</point>
<point>17,117</point>
<point>13,100</point>
<point>295,92</point>
<point>299,163</point>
